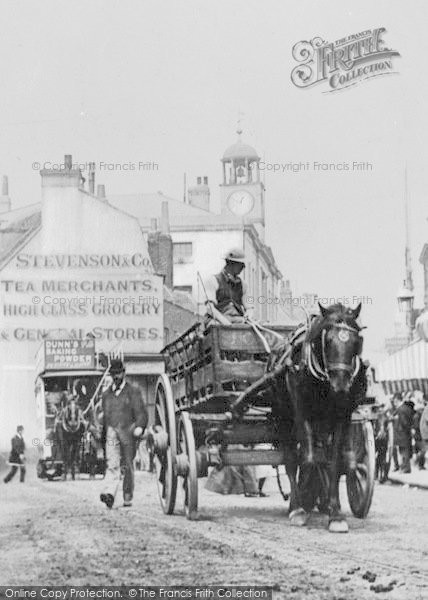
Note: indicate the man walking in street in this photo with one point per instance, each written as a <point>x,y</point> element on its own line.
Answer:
<point>16,457</point>
<point>403,432</point>
<point>125,419</point>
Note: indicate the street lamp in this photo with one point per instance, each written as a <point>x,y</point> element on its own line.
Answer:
<point>405,299</point>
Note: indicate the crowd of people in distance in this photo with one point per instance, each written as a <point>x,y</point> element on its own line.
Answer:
<point>409,415</point>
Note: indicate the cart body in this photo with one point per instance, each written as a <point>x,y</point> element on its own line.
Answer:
<point>208,369</point>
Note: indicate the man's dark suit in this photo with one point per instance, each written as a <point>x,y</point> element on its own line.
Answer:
<point>123,410</point>
<point>18,449</point>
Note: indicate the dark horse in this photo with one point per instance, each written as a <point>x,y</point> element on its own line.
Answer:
<point>73,426</point>
<point>92,441</point>
<point>324,381</point>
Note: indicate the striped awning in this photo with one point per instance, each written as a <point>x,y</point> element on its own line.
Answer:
<point>406,370</point>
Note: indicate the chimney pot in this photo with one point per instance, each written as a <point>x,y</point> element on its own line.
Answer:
<point>5,186</point>
<point>101,191</point>
<point>68,161</point>
<point>205,180</point>
<point>5,204</point>
<point>154,224</point>
<point>199,180</point>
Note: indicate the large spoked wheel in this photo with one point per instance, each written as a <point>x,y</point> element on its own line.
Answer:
<point>165,444</point>
<point>360,481</point>
<point>187,465</point>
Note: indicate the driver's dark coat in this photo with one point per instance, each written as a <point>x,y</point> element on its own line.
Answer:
<point>229,292</point>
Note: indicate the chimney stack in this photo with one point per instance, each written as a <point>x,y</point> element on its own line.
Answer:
<point>199,194</point>
<point>101,192</point>
<point>5,203</point>
<point>61,204</point>
<point>160,246</point>
<point>165,217</point>
<point>91,176</point>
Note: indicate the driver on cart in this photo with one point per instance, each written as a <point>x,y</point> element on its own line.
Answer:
<point>225,291</point>
<point>225,296</point>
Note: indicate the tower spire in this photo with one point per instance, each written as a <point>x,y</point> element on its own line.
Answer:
<point>407,256</point>
<point>239,124</point>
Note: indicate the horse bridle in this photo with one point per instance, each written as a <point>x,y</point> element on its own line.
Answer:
<point>321,372</point>
<point>65,424</point>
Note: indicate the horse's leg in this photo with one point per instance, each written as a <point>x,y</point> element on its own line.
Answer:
<point>297,514</point>
<point>73,458</point>
<point>64,452</point>
<point>76,448</point>
<point>308,440</point>
<point>337,522</point>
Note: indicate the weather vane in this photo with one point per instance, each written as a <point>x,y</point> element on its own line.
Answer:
<point>239,124</point>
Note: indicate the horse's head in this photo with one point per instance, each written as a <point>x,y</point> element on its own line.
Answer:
<point>72,415</point>
<point>340,345</point>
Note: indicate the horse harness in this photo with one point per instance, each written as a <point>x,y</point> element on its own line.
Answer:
<point>320,370</point>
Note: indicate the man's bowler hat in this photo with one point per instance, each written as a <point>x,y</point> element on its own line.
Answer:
<point>116,366</point>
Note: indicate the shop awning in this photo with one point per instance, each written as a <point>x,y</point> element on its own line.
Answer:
<point>406,370</point>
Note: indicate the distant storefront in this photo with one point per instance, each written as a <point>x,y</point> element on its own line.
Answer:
<point>405,370</point>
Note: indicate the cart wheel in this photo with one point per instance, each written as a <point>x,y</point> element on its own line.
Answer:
<point>165,450</point>
<point>360,482</point>
<point>187,465</point>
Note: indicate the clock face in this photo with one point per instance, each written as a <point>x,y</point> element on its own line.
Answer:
<point>240,202</point>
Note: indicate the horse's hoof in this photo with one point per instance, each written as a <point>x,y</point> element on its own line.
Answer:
<point>340,526</point>
<point>298,517</point>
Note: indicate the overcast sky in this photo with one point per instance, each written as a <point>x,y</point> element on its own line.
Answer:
<point>125,81</point>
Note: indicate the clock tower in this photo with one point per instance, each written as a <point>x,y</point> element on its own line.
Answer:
<point>242,192</point>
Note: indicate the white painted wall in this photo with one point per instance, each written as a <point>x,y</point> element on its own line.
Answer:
<point>209,248</point>
<point>102,230</point>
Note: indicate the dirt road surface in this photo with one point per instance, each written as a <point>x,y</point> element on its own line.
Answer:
<point>58,533</point>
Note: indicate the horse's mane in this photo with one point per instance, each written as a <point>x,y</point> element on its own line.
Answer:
<point>335,313</point>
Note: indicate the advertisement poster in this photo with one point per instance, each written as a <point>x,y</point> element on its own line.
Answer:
<point>213,299</point>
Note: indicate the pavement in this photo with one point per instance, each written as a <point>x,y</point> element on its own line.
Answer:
<point>416,478</point>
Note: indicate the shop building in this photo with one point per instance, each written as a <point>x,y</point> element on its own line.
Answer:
<point>75,266</point>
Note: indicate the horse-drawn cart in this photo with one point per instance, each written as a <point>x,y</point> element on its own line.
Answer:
<point>68,370</point>
<point>220,403</point>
